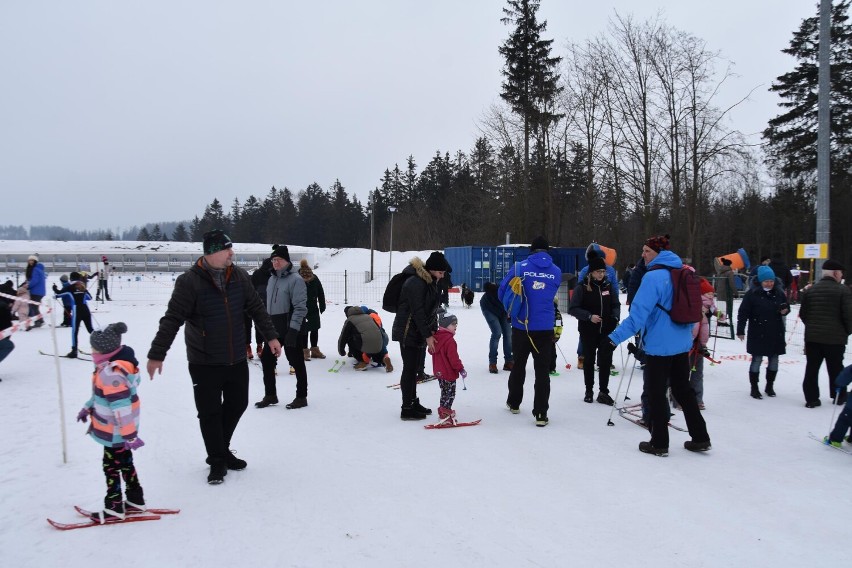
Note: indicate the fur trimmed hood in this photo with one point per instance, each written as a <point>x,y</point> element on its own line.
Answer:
<point>420,269</point>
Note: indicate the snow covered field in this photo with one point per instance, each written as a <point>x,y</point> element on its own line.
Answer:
<point>344,482</point>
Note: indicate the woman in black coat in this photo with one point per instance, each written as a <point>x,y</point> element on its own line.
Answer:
<point>595,304</point>
<point>763,308</point>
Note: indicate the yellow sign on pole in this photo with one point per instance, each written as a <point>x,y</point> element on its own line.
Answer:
<point>815,250</point>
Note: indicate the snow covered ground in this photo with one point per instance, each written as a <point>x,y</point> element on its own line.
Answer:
<point>344,482</point>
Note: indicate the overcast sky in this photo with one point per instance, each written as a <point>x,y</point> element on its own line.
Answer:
<point>117,113</point>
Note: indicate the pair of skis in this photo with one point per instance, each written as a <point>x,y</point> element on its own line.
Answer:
<point>633,413</point>
<point>396,386</point>
<point>79,356</point>
<point>130,517</point>
<point>446,423</point>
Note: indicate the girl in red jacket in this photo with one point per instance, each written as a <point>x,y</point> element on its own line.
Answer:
<point>446,365</point>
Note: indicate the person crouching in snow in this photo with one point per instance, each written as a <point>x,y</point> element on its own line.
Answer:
<point>364,339</point>
<point>113,416</point>
<point>447,366</point>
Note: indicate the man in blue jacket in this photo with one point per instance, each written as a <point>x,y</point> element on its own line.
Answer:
<point>532,330</point>
<point>667,345</point>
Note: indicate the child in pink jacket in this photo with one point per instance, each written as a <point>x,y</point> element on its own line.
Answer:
<point>446,365</point>
<point>700,336</point>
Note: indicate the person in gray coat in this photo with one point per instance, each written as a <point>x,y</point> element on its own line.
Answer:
<point>287,304</point>
<point>364,339</point>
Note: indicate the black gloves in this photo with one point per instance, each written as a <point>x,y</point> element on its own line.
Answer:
<point>290,338</point>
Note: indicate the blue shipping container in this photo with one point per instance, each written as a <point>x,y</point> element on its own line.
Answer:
<point>472,265</point>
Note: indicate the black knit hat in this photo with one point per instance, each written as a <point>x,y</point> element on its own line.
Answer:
<point>216,240</point>
<point>436,261</point>
<point>281,251</point>
<point>832,265</point>
<point>597,263</point>
<point>109,339</point>
<point>539,243</point>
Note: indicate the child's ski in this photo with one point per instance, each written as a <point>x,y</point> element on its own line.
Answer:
<point>109,521</point>
<point>338,364</point>
<point>420,382</point>
<point>823,442</point>
<point>134,512</point>
<point>80,357</point>
<point>447,424</point>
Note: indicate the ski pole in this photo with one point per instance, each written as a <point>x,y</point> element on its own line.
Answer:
<point>567,364</point>
<point>834,404</point>
<point>609,421</point>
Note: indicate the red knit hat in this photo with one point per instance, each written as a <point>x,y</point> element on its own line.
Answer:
<point>658,243</point>
<point>706,287</point>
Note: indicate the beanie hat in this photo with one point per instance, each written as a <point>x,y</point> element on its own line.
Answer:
<point>594,250</point>
<point>215,241</point>
<point>436,261</point>
<point>658,243</point>
<point>33,256</point>
<point>63,278</point>
<point>104,259</point>
<point>109,339</point>
<point>7,288</point>
<point>765,273</point>
<point>539,243</point>
<point>597,263</point>
<point>305,270</point>
<point>447,319</point>
<point>706,287</point>
<point>281,251</point>
<point>832,265</point>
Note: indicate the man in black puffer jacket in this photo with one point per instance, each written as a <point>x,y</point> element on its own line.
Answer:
<point>827,314</point>
<point>415,324</point>
<point>211,298</point>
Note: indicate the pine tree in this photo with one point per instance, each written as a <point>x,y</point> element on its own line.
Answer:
<point>792,136</point>
<point>156,233</point>
<point>143,235</point>
<point>179,234</point>
<point>530,86</point>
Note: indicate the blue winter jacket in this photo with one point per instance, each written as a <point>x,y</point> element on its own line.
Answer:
<point>541,280</point>
<point>660,335</point>
<point>36,283</point>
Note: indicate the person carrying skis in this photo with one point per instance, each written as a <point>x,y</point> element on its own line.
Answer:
<point>447,366</point>
<point>112,414</point>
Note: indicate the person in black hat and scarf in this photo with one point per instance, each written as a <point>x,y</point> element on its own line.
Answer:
<point>415,325</point>
<point>211,298</point>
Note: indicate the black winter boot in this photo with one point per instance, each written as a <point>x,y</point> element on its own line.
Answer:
<point>770,380</point>
<point>420,408</point>
<point>409,412</point>
<point>755,390</point>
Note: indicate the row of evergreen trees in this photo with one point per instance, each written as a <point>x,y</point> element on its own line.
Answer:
<point>617,138</point>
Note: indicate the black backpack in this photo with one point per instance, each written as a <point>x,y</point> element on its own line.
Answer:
<point>390,300</point>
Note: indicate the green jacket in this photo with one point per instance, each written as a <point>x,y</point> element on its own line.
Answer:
<point>827,312</point>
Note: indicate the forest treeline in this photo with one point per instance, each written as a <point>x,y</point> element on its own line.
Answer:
<point>614,139</point>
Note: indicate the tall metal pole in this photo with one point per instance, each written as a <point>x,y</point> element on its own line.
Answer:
<point>372,228</point>
<point>390,249</point>
<point>823,213</point>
